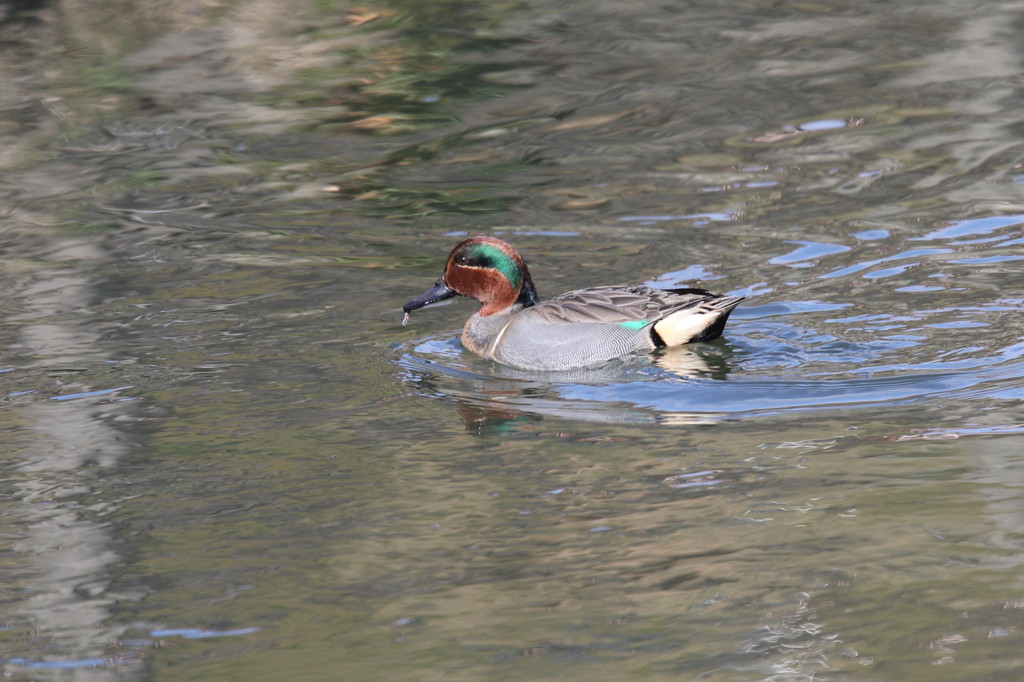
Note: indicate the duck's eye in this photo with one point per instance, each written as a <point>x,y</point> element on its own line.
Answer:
<point>462,259</point>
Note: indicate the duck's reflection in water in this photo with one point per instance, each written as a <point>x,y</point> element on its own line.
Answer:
<point>507,399</point>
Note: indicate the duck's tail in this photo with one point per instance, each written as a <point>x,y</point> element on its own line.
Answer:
<point>702,322</point>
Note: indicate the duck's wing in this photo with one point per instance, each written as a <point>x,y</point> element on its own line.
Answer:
<point>619,304</point>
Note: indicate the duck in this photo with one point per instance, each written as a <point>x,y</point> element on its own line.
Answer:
<point>578,329</point>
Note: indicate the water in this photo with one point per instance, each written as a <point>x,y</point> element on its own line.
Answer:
<point>227,459</point>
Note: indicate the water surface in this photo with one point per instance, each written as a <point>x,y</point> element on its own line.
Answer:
<point>227,459</point>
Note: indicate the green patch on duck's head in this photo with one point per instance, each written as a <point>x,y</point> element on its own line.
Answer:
<point>483,255</point>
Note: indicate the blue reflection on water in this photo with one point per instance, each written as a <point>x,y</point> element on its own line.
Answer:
<point>871,235</point>
<point>824,124</point>
<point>69,664</point>
<point>197,633</point>
<point>89,394</point>
<point>974,226</point>
<point>125,658</point>
<point>699,217</point>
<point>808,251</point>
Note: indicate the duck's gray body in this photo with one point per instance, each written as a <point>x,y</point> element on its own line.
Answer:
<point>589,327</point>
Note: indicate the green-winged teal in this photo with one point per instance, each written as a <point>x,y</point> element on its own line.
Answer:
<point>580,328</point>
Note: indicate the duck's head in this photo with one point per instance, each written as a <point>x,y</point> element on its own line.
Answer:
<point>484,268</point>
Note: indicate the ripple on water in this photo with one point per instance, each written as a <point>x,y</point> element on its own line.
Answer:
<point>807,251</point>
<point>777,368</point>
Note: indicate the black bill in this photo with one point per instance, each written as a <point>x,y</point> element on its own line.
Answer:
<point>438,292</point>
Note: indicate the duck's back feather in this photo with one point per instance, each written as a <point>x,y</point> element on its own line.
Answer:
<point>618,304</point>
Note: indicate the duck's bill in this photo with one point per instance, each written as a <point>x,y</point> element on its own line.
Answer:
<point>438,292</point>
